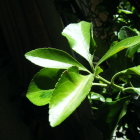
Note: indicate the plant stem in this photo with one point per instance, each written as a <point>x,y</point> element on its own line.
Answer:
<point>99,84</point>
<point>103,80</point>
<point>132,89</point>
<point>92,66</point>
<point>109,83</point>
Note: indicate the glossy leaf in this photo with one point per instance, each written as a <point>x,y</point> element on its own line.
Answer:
<point>53,58</point>
<point>71,89</point>
<point>126,43</point>
<point>42,85</point>
<point>79,38</point>
<point>96,96</point>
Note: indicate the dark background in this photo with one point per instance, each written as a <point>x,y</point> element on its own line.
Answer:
<point>26,25</point>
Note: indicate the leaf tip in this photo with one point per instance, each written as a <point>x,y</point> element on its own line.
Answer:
<point>53,122</point>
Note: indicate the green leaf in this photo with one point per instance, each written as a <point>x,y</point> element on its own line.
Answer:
<point>132,50</point>
<point>53,58</point>
<point>125,11</point>
<point>79,38</point>
<point>125,74</point>
<point>98,70</point>
<point>133,70</point>
<point>130,71</point>
<point>126,43</point>
<point>96,96</point>
<point>109,114</point>
<point>92,41</point>
<point>126,32</point>
<point>70,91</point>
<point>42,85</point>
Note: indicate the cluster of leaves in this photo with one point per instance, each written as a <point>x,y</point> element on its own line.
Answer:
<point>124,10</point>
<point>64,82</point>
<point>126,15</point>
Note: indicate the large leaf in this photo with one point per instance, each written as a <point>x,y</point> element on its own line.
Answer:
<point>126,43</point>
<point>70,91</point>
<point>52,58</point>
<point>79,36</point>
<point>42,85</point>
<point>109,114</point>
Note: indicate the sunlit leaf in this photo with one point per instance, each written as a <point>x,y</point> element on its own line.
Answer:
<point>126,43</point>
<point>134,70</point>
<point>79,38</point>
<point>70,91</point>
<point>98,70</point>
<point>53,58</point>
<point>42,85</point>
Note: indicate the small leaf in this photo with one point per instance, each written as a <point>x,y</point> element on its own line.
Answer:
<point>132,50</point>
<point>70,91</point>
<point>79,38</point>
<point>98,70</point>
<point>126,43</point>
<point>133,70</point>
<point>125,11</point>
<point>108,100</point>
<point>96,96</point>
<point>126,73</point>
<point>42,85</point>
<point>53,58</point>
<point>130,71</point>
<point>126,32</point>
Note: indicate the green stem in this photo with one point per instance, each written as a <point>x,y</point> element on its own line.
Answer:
<point>103,80</point>
<point>109,83</point>
<point>99,84</point>
<point>128,89</point>
<point>113,79</point>
<point>92,66</point>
